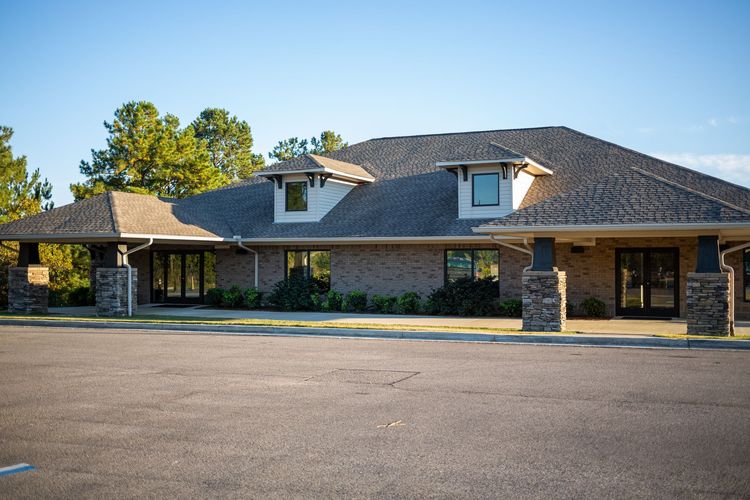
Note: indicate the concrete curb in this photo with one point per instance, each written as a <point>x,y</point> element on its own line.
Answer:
<point>569,340</point>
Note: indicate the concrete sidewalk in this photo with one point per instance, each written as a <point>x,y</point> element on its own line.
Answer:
<point>595,326</point>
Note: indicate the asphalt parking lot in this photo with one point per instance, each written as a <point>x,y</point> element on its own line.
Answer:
<point>144,414</point>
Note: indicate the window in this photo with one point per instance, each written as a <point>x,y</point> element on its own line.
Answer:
<point>315,264</point>
<point>474,264</point>
<point>485,189</point>
<point>746,275</point>
<point>296,196</point>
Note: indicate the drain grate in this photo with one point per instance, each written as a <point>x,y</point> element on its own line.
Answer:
<point>373,377</point>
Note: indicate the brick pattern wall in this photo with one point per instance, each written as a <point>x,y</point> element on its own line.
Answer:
<point>707,303</point>
<point>28,289</point>
<point>112,291</point>
<point>544,301</point>
<point>394,269</point>
<point>142,261</point>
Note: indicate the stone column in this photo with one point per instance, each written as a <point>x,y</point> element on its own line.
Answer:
<point>112,291</point>
<point>709,292</point>
<point>708,297</point>
<point>544,301</point>
<point>28,289</point>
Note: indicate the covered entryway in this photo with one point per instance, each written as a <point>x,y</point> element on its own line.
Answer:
<point>647,282</point>
<point>182,276</point>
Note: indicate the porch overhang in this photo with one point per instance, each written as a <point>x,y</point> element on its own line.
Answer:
<point>572,233</point>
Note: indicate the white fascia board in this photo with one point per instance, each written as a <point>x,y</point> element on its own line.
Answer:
<point>612,227</point>
<point>540,169</point>
<point>316,170</point>
<point>448,164</point>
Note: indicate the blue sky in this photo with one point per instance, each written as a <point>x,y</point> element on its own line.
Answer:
<point>665,78</point>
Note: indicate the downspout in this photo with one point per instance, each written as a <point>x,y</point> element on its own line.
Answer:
<point>526,250</point>
<point>730,270</point>
<point>255,274</point>
<point>130,271</point>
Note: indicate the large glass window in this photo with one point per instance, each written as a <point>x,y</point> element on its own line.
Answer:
<point>746,280</point>
<point>315,264</point>
<point>474,264</point>
<point>296,196</point>
<point>485,189</point>
<point>182,276</point>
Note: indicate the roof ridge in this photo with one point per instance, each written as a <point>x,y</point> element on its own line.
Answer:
<point>111,204</point>
<point>690,190</point>
<point>460,133</point>
<point>638,153</point>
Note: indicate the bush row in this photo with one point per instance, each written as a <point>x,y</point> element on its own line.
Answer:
<point>462,297</point>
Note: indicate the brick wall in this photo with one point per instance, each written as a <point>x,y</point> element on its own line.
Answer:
<point>394,269</point>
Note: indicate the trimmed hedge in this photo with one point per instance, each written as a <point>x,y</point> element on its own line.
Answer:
<point>593,308</point>
<point>384,304</point>
<point>355,301</point>
<point>409,303</point>
<point>465,297</point>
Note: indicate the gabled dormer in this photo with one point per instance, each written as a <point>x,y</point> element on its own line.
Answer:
<point>312,186</point>
<point>494,182</point>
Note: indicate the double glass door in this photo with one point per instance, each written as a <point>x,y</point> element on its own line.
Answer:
<point>647,282</point>
<point>182,276</point>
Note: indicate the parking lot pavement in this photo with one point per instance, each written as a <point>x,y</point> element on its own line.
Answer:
<point>145,414</point>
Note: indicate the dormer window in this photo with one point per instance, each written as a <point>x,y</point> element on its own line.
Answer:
<point>485,189</point>
<point>296,196</point>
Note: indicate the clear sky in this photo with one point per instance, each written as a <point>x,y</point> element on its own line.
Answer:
<point>665,78</point>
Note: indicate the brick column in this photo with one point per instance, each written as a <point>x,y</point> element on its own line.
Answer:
<point>112,291</point>
<point>28,289</point>
<point>544,301</point>
<point>708,304</point>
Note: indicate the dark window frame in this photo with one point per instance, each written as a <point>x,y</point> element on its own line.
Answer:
<point>286,197</point>
<point>745,274</point>
<point>473,260</point>
<point>497,186</point>
<point>163,255</point>
<point>308,271</point>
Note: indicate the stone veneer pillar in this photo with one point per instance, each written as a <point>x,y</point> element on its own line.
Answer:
<point>28,289</point>
<point>544,301</point>
<point>112,291</point>
<point>708,304</point>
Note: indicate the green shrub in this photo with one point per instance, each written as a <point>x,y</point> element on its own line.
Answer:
<point>593,308</point>
<point>465,297</point>
<point>233,298</point>
<point>570,310</point>
<point>253,298</point>
<point>355,301</point>
<point>334,301</point>
<point>316,301</point>
<point>294,294</point>
<point>408,303</point>
<point>215,296</point>
<point>384,304</point>
<point>511,308</point>
<point>81,296</point>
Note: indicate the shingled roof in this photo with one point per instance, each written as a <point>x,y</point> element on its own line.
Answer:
<point>594,182</point>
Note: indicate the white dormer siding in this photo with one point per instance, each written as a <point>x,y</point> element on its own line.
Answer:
<point>521,185</point>
<point>511,191</point>
<point>320,201</point>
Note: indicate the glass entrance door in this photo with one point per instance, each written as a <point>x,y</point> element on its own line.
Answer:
<point>182,276</point>
<point>647,282</point>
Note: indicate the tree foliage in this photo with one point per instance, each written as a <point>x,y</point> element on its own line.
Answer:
<point>293,147</point>
<point>149,154</point>
<point>20,194</point>
<point>229,142</point>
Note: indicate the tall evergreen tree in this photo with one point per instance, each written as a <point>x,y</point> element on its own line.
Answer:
<point>229,142</point>
<point>148,154</point>
<point>293,147</point>
<point>20,194</point>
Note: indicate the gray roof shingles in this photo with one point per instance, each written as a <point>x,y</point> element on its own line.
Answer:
<point>594,182</point>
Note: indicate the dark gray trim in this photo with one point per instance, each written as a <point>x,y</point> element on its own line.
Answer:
<point>544,254</point>
<point>497,186</point>
<point>708,255</point>
<point>28,254</point>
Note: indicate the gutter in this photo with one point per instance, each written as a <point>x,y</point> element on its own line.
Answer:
<point>130,271</point>
<point>489,229</point>
<point>526,250</point>
<point>255,274</point>
<point>730,270</point>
